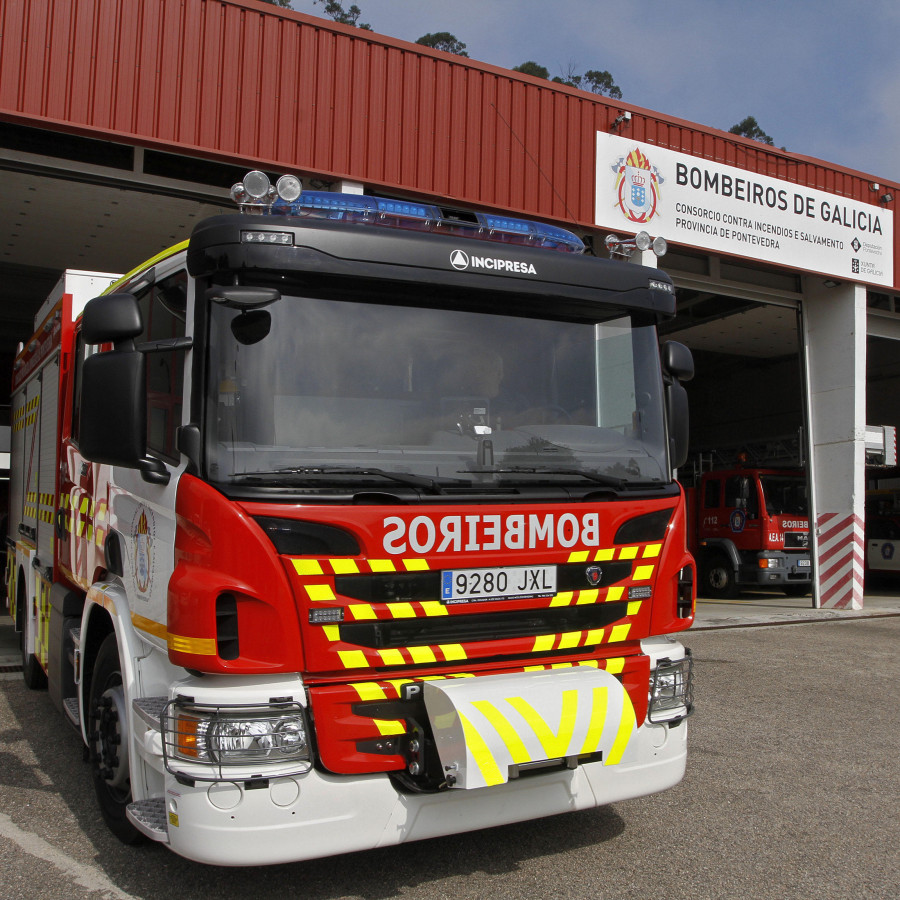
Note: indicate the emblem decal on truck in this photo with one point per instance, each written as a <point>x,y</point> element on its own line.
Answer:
<point>143,533</point>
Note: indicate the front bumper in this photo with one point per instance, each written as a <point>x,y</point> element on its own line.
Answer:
<point>316,814</point>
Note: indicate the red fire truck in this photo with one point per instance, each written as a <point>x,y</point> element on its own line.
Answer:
<point>749,528</point>
<point>350,522</point>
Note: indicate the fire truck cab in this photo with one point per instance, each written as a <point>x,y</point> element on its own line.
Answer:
<point>354,523</point>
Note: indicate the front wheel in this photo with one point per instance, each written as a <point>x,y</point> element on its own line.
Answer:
<point>718,577</point>
<point>108,741</point>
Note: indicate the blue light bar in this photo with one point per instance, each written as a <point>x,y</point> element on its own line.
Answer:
<point>536,234</point>
<point>411,215</point>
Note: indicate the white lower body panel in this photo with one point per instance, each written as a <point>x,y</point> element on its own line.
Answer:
<point>315,815</point>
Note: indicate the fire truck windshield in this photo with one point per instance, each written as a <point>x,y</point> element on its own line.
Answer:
<point>785,495</point>
<point>318,392</point>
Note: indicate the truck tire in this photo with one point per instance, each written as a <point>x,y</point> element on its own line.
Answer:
<point>108,741</point>
<point>32,673</point>
<point>718,577</point>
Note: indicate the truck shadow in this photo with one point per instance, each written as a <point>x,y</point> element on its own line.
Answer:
<point>49,760</point>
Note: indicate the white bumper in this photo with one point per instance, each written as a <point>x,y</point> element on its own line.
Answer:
<point>316,815</point>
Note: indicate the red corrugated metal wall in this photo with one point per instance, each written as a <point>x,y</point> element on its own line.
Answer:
<point>244,82</point>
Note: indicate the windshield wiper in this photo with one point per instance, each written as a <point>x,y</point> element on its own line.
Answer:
<point>608,480</point>
<point>416,481</point>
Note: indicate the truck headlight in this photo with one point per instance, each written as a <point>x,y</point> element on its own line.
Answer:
<point>671,690</point>
<point>236,736</point>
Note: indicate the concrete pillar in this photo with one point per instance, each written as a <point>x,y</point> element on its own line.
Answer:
<point>834,337</point>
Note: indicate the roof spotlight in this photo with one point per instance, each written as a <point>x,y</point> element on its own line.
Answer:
<point>257,184</point>
<point>289,187</point>
<point>641,241</point>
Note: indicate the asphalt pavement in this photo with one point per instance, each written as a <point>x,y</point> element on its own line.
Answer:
<point>791,793</point>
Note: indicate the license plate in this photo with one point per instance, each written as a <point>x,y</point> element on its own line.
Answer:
<point>500,583</point>
<point>802,562</point>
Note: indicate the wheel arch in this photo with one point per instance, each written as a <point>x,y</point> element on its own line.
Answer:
<point>105,612</point>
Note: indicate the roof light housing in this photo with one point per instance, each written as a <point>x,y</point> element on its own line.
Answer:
<point>256,195</point>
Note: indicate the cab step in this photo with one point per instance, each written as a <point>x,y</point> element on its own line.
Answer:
<point>149,817</point>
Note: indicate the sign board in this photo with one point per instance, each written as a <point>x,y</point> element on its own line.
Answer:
<point>694,201</point>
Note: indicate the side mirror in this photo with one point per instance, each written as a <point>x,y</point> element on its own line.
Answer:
<point>679,423</point>
<point>678,365</point>
<point>111,319</point>
<point>113,424</point>
<point>113,427</point>
<point>677,360</point>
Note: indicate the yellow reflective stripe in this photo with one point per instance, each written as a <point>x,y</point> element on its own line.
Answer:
<point>619,632</point>
<point>332,632</point>
<point>368,690</point>
<point>588,596</point>
<point>401,610</point>
<point>616,666</point>
<point>628,553</point>
<point>422,654</point>
<point>599,702</point>
<point>415,565</point>
<point>390,726</point>
<point>148,626</point>
<point>614,593</point>
<point>569,639</point>
<point>634,607</point>
<point>604,555</point>
<point>594,636</point>
<point>543,642</point>
<point>434,608</point>
<point>564,598</point>
<point>353,659</point>
<point>517,750</point>
<point>626,726</point>
<point>197,646</point>
<point>555,744</point>
<point>642,573</point>
<point>382,565</point>
<point>578,556</point>
<point>652,550</point>
<point>320,593</point>
<point>344,566</point>
<point>452,651</point>
<point>307,566</point>
<point>361,611</point>
<point>392,657</point>
<point>476,745</point>
<point>165,254</point>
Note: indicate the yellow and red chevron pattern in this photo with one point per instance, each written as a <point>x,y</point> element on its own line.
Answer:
<point>345,723</point>
<point>316,586</point>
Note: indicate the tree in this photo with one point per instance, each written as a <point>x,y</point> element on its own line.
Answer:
<point>532,68</point>
<point>749,128</point>
<point>336,10</point>
<point>286,4</point>
<point>593,80</point>
<point>601,83</point>
<point>443,40</point>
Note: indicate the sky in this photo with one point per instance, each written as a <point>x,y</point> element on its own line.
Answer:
<point>822,77</point>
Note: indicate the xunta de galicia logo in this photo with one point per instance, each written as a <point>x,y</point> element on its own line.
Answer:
<point>637,187</point>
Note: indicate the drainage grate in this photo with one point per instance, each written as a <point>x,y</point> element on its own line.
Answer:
<point>10,668</point>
